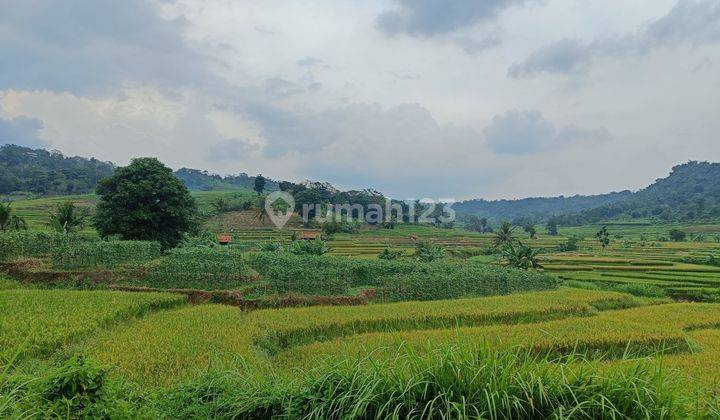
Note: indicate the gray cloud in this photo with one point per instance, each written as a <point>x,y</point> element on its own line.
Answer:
<point>231,149</point>
<point>22,131</point>
<point>432,17</point>
<point>92,46</point>
<point>694,22</point>
<point>398,149</point>
<point>528,132</point>
<point>280,88</point>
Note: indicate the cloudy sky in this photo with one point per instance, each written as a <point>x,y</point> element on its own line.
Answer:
<point>416,98</point>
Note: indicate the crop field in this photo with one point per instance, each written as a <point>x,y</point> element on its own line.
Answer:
<point>167,347</point>
<point>266,327</point>
<point>35,321</point>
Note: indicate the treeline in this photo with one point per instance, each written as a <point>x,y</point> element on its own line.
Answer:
<point>48,172</point>
<point>196,179</point>
<point>43,172</point>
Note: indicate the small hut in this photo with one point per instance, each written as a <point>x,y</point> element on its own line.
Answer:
<point>309,235</point>
<point>224,239</point>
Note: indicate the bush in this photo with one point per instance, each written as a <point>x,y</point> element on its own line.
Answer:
<point>571,244</point>
<point>427,251</point>
<point>271,247</point>
<point>709,260</point>
<point>36,244</point>
<point>677,235</point>
<point>75,386</point>
<point>390,254</point>
<point>643,290</point>
<point>316,247</point>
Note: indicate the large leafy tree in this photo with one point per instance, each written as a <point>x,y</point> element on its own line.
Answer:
<point>145,201</point>
<point>259,185</point>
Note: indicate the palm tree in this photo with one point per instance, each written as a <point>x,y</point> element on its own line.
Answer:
<point>68,217</point>
<point>8,221</point>
<point>521,256</point>
<point>504,235</point>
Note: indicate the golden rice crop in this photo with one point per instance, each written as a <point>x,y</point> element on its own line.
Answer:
<point>39,321</point>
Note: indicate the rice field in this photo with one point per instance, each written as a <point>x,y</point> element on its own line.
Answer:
<point>39,322</point>
<point>642,314</point>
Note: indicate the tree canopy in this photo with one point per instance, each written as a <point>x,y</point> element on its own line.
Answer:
<point>144,201</point>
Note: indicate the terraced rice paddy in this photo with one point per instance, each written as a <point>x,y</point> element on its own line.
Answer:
<point>634,256</point>
<point>176,344</point>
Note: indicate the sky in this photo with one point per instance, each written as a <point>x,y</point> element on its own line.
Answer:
<point>439,99</point>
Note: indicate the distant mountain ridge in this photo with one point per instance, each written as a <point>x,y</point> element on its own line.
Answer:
<point>690,192</point>
<point>536,208</point>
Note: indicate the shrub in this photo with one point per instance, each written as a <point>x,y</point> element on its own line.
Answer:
<point>521,256</point>
<point>709,260</point>
<point>390,254</point>
<point>571,244</point>
<point>644,290</point>
<point>36,244</point>
<point>427,251</point>
<point>271,247</point>
<point>677,235</point>
<point>74,387</point>
<point>316,247</point>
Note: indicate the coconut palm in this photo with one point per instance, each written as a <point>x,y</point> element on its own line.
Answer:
<point>8,221</point>
<point>68,217</point>
<point>504,235</point>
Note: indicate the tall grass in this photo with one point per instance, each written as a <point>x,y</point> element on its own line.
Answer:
<point>448,383</point>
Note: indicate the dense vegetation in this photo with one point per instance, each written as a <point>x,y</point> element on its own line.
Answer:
<point>43,172</point>
<point>144,201</point>
<point>48,173</point>
<point>196,179</point>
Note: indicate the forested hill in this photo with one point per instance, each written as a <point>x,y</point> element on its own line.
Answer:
<point>690,192</point>
<point>538,208</point>
<point>45,172</point>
